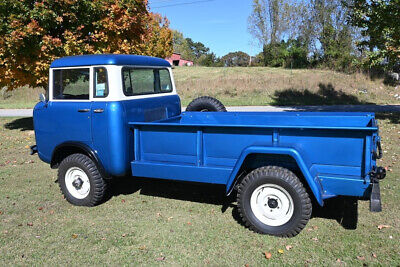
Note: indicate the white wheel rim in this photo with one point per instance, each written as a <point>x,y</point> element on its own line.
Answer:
<point>77,182</point>
<point>272,204</point>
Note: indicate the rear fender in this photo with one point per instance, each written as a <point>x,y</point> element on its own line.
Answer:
<point>313,184</point>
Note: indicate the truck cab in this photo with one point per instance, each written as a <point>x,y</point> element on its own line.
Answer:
<point>108,116</point>
<point>90,99</point>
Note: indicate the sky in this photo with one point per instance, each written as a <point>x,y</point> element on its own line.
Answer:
<point>221,25</point>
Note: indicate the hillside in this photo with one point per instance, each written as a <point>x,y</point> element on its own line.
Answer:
<point>259,86</point>
<point>276,86</point>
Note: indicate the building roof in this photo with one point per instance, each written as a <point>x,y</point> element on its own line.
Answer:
<point>100,59</point>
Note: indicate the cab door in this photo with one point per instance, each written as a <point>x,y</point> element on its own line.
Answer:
<point>99,112</point>
<point>70,107</point>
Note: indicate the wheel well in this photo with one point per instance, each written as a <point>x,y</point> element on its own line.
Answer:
<point>61,153</point>
<point>254,161</point>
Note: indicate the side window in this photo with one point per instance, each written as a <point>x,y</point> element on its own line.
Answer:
<point>165,81</point>
<point>100,82</point>
<point>71,84</point>
<point>146,81</point>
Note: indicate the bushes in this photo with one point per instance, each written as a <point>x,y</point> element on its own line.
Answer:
<point>289,54</point>
<point>294,54</point>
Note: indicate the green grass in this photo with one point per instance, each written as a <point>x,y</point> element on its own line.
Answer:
<point>23,97</point>
<point>258,86</point>
<point>187,224</point>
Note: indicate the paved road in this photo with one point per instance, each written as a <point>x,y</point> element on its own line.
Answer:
<point>353,108</point>
<point>16,112</point>
<point>361,108</point>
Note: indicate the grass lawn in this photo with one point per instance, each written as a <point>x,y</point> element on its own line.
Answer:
<point>159,222</point>
<point>23,97</point>
<point>258,86</point>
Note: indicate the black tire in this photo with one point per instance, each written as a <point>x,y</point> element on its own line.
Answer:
<point>206,104</point>
<point>97,190</point>
<point>285,179</point>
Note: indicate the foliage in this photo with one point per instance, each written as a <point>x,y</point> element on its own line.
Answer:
<point>195,51</point>
<point>304,33</point>
<point>198,48</point>
<point>181,46</point>
<point>37,32</point>
<point>275,54</point>
<point>270,20</point>
<point>290,54</point>
<point>380,27</point>
<point>209,60</point>
<point>334,34</point>
<point>236,59</point>
<point>297,57</point>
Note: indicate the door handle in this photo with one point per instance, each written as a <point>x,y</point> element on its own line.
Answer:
<point>99,110</point>
<point>84,110</point>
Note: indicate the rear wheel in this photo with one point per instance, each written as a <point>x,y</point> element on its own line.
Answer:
<point>206,104</point>
<point>80,181</point>
<point>272,200</point>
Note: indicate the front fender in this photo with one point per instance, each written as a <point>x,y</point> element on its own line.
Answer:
<point>80,147</point>
<point>313,183</point>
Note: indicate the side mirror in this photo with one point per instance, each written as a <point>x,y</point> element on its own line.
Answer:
<point>42,97</point>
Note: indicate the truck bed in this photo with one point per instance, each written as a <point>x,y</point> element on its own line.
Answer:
<point>317,120</point>
<point>209,146</point>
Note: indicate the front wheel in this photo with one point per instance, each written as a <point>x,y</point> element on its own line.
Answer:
<point>80,181</point>
<point>272,200</point>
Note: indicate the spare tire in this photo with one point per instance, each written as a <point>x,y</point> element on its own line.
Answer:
<point>206,104</point>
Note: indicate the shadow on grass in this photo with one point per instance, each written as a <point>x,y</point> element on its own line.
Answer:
<point>23,124</point>
<point>326,95</point>
<point>188,191</point>
<point>343,210</point>
<point>393,117</point>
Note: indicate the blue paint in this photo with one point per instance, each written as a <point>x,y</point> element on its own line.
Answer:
<point>92,60</point>
<point>150,137</point>
<point>211,147</point>
<point>108,133</point>
<point>181,172</point>
<point>315,186</point>
<point>224,140</point>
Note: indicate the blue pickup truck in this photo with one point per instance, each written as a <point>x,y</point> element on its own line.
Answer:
<point>107,116</point>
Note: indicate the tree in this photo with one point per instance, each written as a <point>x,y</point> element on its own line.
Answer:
<point>209,60</point>
<point>195,51</point>
<point>198,48</point>
<point>297,54</point>
<point>275,54</point>
<point>290,54</point>
<point>269,20</point>
<point>275,24</point>
<point>380,27</point>
<point>34,33</point>
<point>236,59</point>
<point>181,46</point>
<point>297,30</point>
<point>334,33</point>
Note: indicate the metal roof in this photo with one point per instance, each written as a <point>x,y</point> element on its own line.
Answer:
<point>110,59</point>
